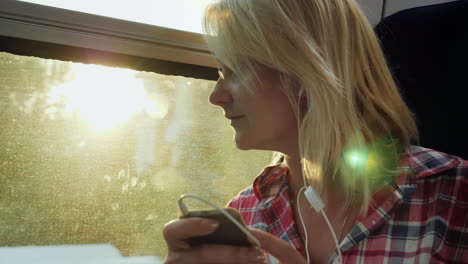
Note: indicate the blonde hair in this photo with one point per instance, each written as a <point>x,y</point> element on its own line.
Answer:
<point>328,50</point>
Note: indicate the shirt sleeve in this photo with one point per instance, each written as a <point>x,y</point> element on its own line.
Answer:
<point>234,203</point>
<point>455,241</point>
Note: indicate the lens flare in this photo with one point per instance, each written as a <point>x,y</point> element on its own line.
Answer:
<point>373,162</point>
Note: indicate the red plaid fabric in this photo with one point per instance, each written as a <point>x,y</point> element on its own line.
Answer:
<point>424,220</point>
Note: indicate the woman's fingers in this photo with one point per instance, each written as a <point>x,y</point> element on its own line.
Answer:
<point>217,254</point>
<point>177,231</point>
<point>179,251</point>
<point>278,248</point>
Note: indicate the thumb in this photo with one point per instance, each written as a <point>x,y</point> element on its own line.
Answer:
<point>278,248</point>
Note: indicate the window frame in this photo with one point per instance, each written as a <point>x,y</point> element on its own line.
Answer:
<point>55,33</point>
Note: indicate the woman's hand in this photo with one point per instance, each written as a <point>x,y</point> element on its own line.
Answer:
<point>176,232</point>
<point>278,248</point>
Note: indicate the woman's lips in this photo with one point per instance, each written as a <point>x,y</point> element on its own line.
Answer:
<point>234,117</point>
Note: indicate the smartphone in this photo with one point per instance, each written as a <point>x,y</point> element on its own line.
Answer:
<point>227,233</point>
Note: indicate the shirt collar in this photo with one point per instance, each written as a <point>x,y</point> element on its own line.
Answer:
<point>417,163</point>
<point>424,162</point>
<point>271,181</point>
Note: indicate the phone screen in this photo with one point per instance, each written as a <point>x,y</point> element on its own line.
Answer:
<point>227,233</point>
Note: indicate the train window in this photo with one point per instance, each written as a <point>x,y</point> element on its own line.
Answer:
<point>93,154</point>
<point>152,12</point>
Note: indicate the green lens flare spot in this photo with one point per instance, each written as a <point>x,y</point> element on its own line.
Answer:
<point>357,159</point>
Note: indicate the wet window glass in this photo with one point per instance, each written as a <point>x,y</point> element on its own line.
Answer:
<point>98,155</point>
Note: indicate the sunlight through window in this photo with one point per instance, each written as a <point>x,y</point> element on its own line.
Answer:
<point>104,97</point>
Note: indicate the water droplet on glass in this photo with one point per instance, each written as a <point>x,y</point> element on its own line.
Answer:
<point>151,217</point>
<point>133,181</point>
<point>142,185</point>
<point>107,178</point>
<point>121,174</point>
<point>115,206</point>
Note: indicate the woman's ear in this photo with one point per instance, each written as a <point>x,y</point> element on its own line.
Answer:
<point>302,101</point>
<point>297,86</point>
<point>301,92</point>
<point>303,104</point>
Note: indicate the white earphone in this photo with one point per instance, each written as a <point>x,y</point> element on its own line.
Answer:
<point>317,203</point>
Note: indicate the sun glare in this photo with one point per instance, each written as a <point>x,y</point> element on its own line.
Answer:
<point>105,97</point>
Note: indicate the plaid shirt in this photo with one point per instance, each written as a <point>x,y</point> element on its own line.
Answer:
<point>423,220</point>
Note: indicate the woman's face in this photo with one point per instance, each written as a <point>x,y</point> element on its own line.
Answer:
<point>262,119</point>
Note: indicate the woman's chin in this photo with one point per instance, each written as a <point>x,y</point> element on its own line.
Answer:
<point>242,146</point>
<point>242,143</point>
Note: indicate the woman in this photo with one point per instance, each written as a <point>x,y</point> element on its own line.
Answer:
<point>307,80</point>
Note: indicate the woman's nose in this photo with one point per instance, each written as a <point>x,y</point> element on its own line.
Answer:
<point>221,95</point>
